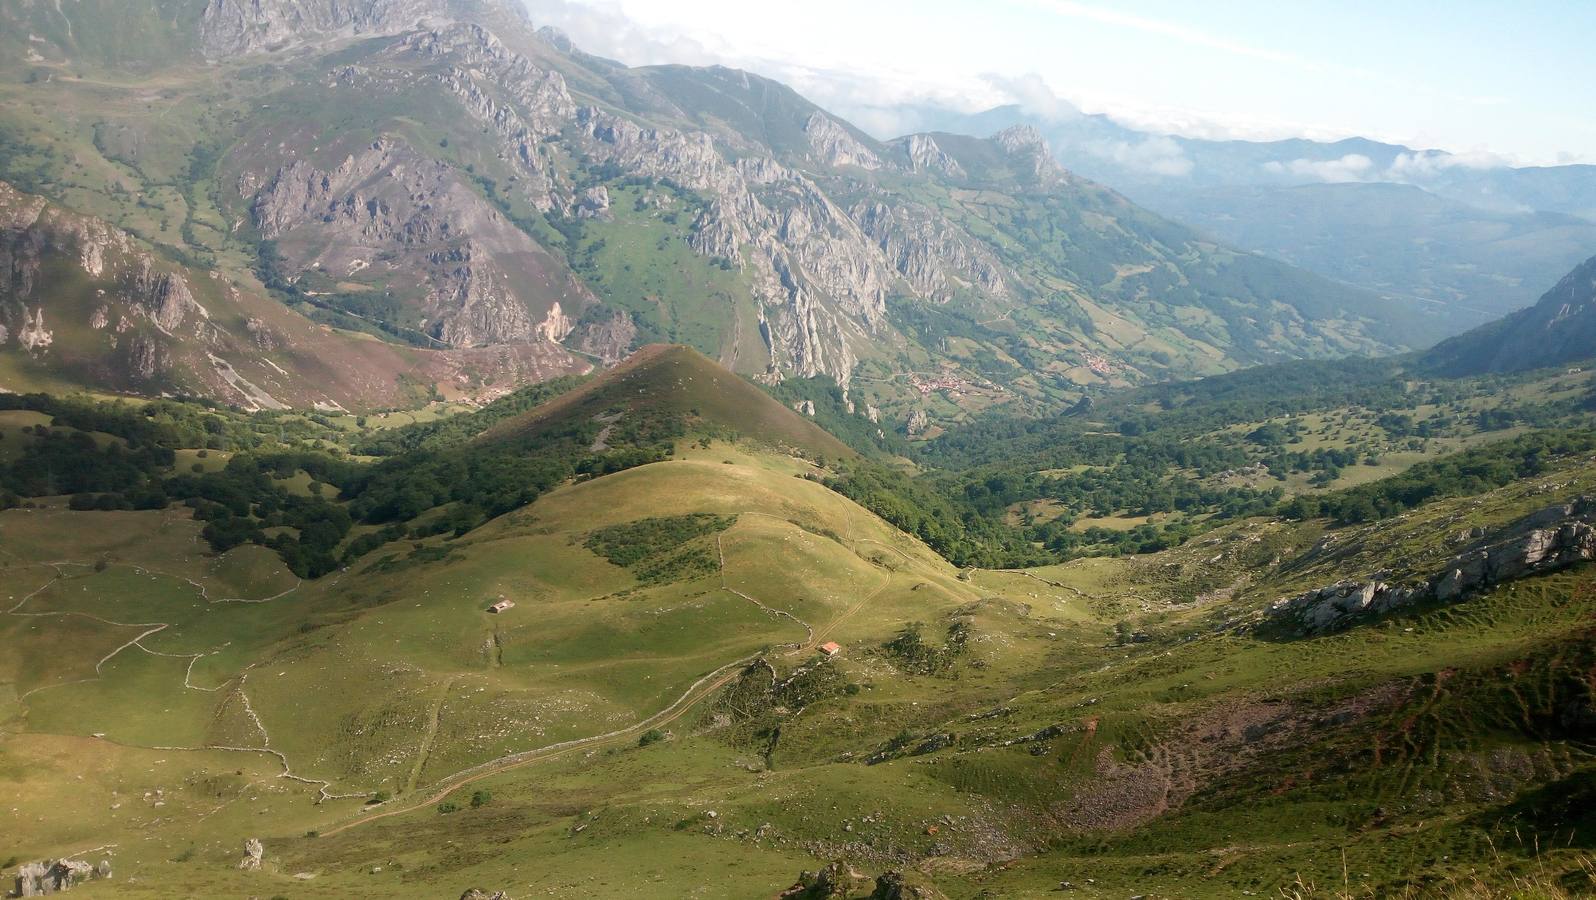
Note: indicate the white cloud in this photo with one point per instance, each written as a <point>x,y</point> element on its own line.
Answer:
<point>1031,93</point>
<point>1155,155</point>
<point>880,101</point>
<point>1427,164</point>
<point>604,29</point>
<point>1352,167</point>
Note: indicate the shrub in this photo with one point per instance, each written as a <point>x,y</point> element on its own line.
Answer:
<point>651,736</point>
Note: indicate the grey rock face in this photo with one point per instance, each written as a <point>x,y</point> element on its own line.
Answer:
<point>834,146</point>
<point>1025,142</point>
<point>594,204</point>
<point>385,207</point>
<point>610,339</point>
<point>1545,541</point>
<point>233,27</point>
<point>918,423</point>
<point>31,234</point>
<point>925,156</point>
<point>54,876</point>
<point>162,296</point>
<point>254,852</point>
<point>931,254</point>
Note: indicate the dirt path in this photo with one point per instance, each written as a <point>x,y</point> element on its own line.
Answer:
<point>152,628</point>
<point>431,732</point>
<point>700,690</point>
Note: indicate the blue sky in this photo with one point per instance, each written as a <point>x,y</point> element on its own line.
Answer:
<point>1517,80</point>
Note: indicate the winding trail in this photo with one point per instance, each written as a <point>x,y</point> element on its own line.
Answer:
<point>152,628</point>
<point>699,691</point>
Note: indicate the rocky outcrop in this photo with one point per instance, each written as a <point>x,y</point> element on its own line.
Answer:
<point>1551,539</point>
<point>836,881</point>
<point>594,204</point>
<point>609,338</point>
<point>833,145</point>
<point>33,336</point>
<point>924,155</point>
<point>480,894</point>
<point>254,853</point>
<point>162,296</point>
<point>896,886</point>
<point>917,424</point>
<point>234,27</point>
<point>1029,149</point>
<point>387,212</point>
<point>54,876</point>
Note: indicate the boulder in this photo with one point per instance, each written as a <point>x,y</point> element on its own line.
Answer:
<point>836,881</point>
<point>54,876</point>
<point>254,852</point>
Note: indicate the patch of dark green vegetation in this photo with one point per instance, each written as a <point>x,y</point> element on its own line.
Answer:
<point>1169,450</point>
<point>913,653</point>
<point>132,469</point>
<point>634,542</point>
<point>1464,474</point>
<point>452,431</point>
<point>661,550</point>
<point>755,706</point>
<point>831,413</point>
<point>927,510</point>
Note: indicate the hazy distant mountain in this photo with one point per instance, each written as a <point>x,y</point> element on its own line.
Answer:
<point>1482,239</point>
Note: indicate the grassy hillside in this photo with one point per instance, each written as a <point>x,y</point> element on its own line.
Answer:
<point>662,384</point>
<point>654,697</point>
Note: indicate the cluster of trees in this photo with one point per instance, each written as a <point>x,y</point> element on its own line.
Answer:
<point>452,431</point>
<point>1473,471</point>
<point>949,526</point>
<point>130,465</point>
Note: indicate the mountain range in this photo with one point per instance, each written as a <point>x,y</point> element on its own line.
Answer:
<point>1472,235</point>
<point>484,201</point>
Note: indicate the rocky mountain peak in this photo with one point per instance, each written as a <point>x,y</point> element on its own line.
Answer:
<point>1025,142</point>
<point>234,27</point>
<point>558,39</point>
<point>835,146</point>
<point>925,155</point>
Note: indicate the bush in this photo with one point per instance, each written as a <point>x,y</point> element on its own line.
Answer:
<point>480,799</point>
<point>448,806</point>
<point>651,736</point>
